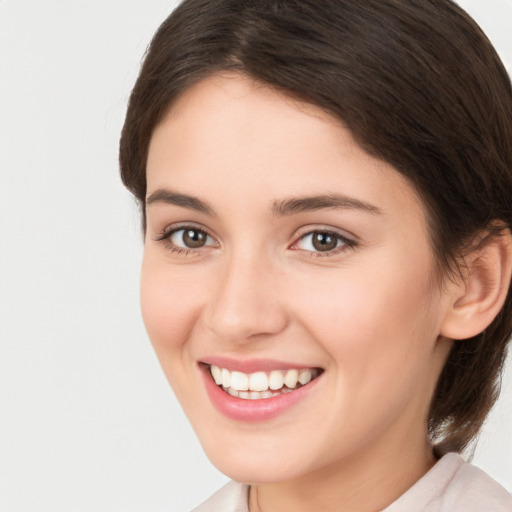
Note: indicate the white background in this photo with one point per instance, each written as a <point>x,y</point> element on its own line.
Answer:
<point>87,421</point>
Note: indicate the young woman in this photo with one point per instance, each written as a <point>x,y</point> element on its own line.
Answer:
<point>326,191</point>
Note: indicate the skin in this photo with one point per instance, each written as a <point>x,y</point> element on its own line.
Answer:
<point>370,315</point>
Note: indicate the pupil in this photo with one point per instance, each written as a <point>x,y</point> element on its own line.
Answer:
<point>193,238</point>
<point>324,242</point>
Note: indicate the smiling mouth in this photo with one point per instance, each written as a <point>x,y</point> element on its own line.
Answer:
<point>262,385</point>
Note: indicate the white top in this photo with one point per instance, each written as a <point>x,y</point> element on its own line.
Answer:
<point>452,485</point>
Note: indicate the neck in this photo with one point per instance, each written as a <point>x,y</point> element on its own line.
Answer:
<point>367,484</point>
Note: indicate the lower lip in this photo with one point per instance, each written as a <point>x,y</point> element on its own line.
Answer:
<point>253,410</point>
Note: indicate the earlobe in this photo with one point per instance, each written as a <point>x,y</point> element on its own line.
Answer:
<point>480,295</point>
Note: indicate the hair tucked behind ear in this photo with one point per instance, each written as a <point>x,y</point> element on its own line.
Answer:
<point>420,87</point>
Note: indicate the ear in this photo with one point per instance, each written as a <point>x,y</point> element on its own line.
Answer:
<point>479,296</point>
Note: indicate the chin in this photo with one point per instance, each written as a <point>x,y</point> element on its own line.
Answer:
<point>252,464</point>
<point>255,472</point>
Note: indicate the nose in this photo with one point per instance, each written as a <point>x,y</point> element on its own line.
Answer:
<point>246,301</point>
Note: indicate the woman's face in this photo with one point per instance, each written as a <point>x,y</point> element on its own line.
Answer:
<point>284,259</point>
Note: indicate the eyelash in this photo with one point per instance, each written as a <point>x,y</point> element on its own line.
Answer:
<point>347,243</point>
<point>165,238</point>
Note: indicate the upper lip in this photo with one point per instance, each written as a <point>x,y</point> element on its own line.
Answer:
<point>252,365</point>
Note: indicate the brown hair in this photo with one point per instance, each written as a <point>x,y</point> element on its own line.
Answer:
<point>418,84</point>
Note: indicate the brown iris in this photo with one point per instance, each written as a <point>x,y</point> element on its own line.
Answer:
<point>324,241</point>
<point>194,238</point>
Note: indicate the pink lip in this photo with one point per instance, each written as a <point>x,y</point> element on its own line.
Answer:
<point>240,409</point>
<point>251,365</point>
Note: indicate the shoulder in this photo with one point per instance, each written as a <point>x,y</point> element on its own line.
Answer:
<point>233,497</point>
<point>454,485</point>
<point>473,489</point>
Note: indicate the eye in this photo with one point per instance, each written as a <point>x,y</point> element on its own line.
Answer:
<point>323,242</point>
<point>189,238</point>
<point>186,240</point>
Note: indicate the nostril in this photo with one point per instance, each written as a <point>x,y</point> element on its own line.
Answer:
<point>244,305</point>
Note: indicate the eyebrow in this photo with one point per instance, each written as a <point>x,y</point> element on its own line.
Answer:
<point>281,208</point>
<point>320,202</point>
<point>175,198</point>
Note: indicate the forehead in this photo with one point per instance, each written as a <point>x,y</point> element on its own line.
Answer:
<point>230,136</point>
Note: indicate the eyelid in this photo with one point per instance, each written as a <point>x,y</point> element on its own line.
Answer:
<point>164,236</point>
<point>322,228</point>
<point>176,226</point>
<point>349,240</point>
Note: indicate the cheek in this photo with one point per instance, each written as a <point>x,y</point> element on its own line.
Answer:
<point>169,303</point>
<point>376,322</point>
<point>380,336</point>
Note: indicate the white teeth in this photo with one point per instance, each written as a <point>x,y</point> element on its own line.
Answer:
<point>254,395</point>
<point>226,378</point>
<point>291,378</point>
<point>276,379</point>
<point>239,381</point>
<point>258,381</point>
<point>216,374</point>
<point>260,385</point>
<point>305,376</point>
